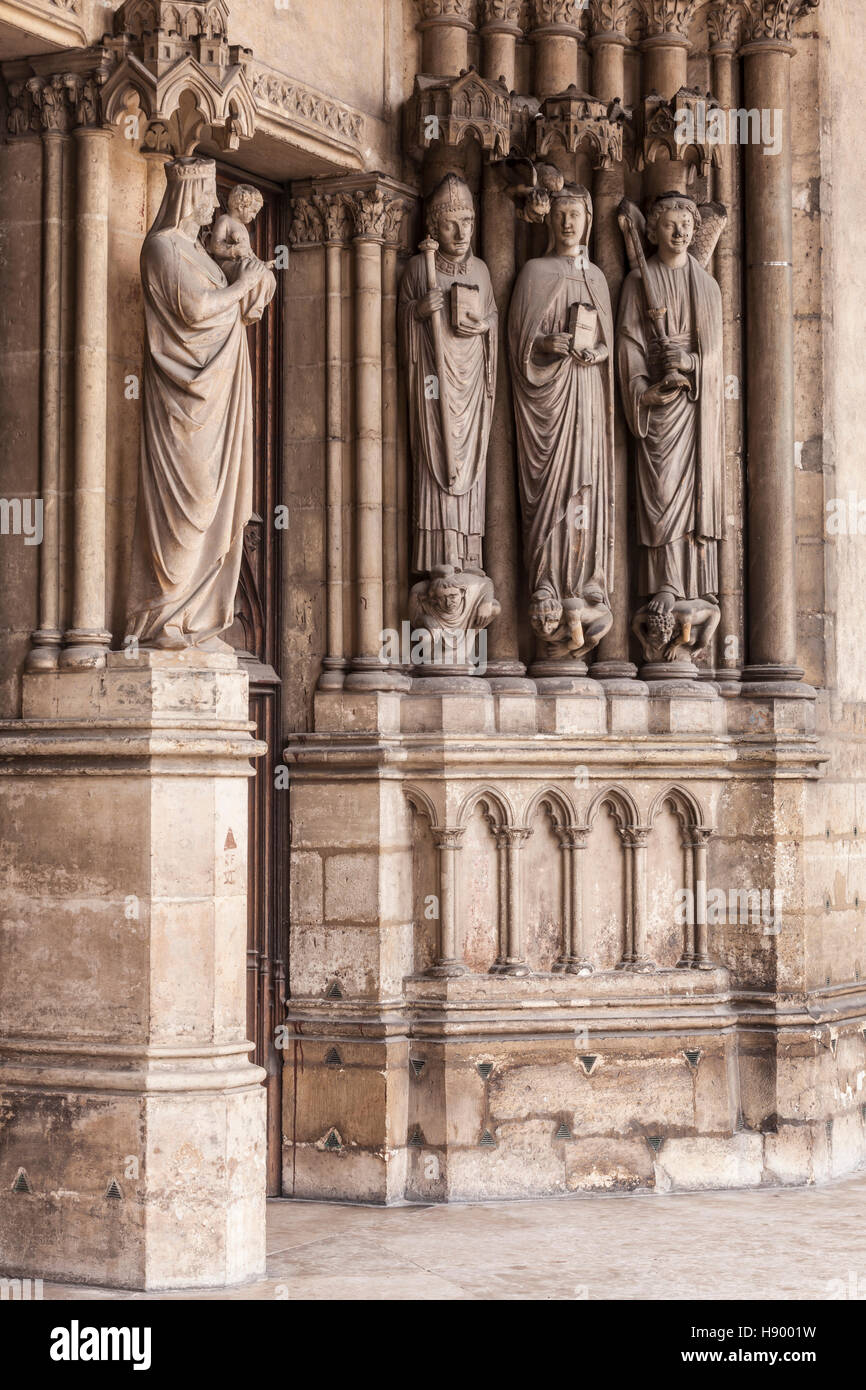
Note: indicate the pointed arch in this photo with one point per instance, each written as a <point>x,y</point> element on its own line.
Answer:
<point>621,803</point>
<point>683,803</point>
<point>421,803</point>
<point>555,798</point>
<point>500,812</point>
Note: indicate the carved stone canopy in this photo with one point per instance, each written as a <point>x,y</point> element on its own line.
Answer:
<point>452,109</point>
<point>164,50</point>
<point>660,126</point>
<point>173,67</point>
<point>575,121</point>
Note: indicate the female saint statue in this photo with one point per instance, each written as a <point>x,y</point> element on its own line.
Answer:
<point>560,337</point>
<point>195,488</point>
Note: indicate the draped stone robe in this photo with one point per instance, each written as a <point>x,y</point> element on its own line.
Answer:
<point>449,519</point>
<point>680,446</point>
<point>564,416</point>
<point>195,488</point>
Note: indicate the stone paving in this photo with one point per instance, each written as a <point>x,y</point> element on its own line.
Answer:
<point>773,1243</point>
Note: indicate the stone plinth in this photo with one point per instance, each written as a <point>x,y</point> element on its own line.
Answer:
<point>133,1119</point>
<point>551,942</point>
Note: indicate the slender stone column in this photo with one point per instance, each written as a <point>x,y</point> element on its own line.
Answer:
<point>514,962</point>
<point>394,596</point>
<point>702,955</point>
<point>574,959</point>
<point>723,23</point>
<point>502,532</point>
<point>445,26</point>
<point>555,35</point>
<point>450,962</point>
<point>500,30</point>
<point>638,836</point>
<point>45,652</point>
<point>770,358</point>
<point>368,669</point>
<point>628,944</point>
<point>87,641</point>
<point>607,46</point>
<point>334,222</point>
<point>664,70</point>
<point>687,958</point>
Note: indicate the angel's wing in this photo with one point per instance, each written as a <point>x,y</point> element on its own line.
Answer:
<point>714,219</point>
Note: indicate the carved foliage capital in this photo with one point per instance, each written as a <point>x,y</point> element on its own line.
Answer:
<point>368,209</point>
<point>668,17</point>
<point>557,12</point>
<point>448,837</point>
<point>60,103</point>
<point>334,216</point>
<point>609,16</point>
<point>505,12</point>
<point>725,21</point>
<point>443,10</point>
<point>775,19</point>
<point>326,216</point>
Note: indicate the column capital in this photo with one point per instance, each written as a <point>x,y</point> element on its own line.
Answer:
<point>667,21</point>
<point>635,836</point>
<point>448,836</point>
<point>609,20</point>
<point>54,103</point>
<point>561,17</point>
<point>336,211</point>
<point>512,835</point>
<point>725,20</point>
<point>501,17</point>
<point>572,836</point>
<point>457,13</point>
<point>771,22</point>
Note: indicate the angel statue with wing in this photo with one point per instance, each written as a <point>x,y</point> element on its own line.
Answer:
<point>669,359</point>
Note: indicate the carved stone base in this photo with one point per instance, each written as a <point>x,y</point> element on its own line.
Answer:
<point>669,671</point>
<point>573,965</point>
<point>516,968</point>
<point>367,673</point>
<point>472,870</point>
<point>138,1117</point>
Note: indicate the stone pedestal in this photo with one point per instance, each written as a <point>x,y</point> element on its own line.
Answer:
<point>133,1121</point>
<point>561,941</point>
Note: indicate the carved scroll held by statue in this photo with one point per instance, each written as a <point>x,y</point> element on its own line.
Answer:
<point>560,336</point>
<point>669,355</point>
<point>195,488</point>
